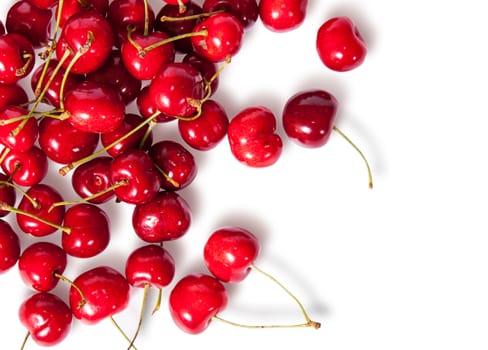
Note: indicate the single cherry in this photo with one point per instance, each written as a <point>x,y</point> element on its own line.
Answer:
<point>12,94</point>
<point>17,134</point>
<point>9,246</point>
<point>26,168</point>
<point>73,7</point>
<point>147,108</point>
<point>92,179</point>
<point>247,11</point>
<point>282,15</point>
<point>16,59</point>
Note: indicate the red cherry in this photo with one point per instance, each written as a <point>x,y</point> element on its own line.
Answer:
<point>19,135</point>
<point>94,107</point>
<point>166,217</point>
<point>205,132</point>
<point>63,143</point>
<point>89,230</point>
<point>207,69</point>
<point>2,28</point>
<point>93,177</point>
<point>16,58</point>
<point>247,11</point>
<point>194,300</point>
<point>47,318</point>
<point>12,94</point>
<point>26,168</point>
<point>147,108</point>
<point>176,163</point>
<point>229,253</point>
<point>340,45</point>
<point>45,4</point>
<point>253,139</point>
<point>223,39</point>
<point>9,246</point>
<point>7,193</point>
<point>105,291</point>
<point>282,15</point>
<point>72,7</point>
<point>39,265</point>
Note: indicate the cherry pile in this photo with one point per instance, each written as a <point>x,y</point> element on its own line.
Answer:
<point>86,62</point>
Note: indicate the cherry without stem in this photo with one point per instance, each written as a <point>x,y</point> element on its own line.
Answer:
<point>9,246</point>
<point>282,15</point>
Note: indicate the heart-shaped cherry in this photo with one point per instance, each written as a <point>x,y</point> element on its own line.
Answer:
<point>282,15</point>
<point>340,45</point>
<point>9,246</point>
<point>252,137</point>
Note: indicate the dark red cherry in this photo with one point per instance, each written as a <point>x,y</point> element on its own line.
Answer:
<point>26,168</point>
<point>207,69</point>
<point>16,58</point>
<point>19,135</point>
<point>39,265</point>
<point>223,39</point>
<point>9,246</point>
<point>205,132</point>
<point>2,28</point>
<point>93,177</point>
<point>147,108</point>
<point>282,15</point>
<point>7,193</point>
<point>89,230</point>
<point>175,162</point>
<point>340,45</point>
<point>247,11</point>
<point>45,4</point>
<point>12,94</point>
<point>195,300</point>
<point>63,143</point>
<point>252,137</point>
<point>229,253</point>
<point>73,7</point>
<point>166,217</point>
<point>47,318</point>
<point>106,293</point>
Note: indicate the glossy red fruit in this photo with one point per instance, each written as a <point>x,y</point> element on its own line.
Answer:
<point>282,15</point>
<point>9,246</point>
<point>8,193</point>
<point>247,11</point>
<point>229,253</point>
<point>39,263</point>
<point>253,139</point>
<point>12,135</point>
<point>94,107</point>
<point>166,217</point>
<point>12,94</point>
<point>194,300</point>
<point>89,233</point>
<point>45,4</point>
<point>309,116</point>
<point>147,108</point>
<point>73,7</point>
<point>340,45</point>
<point>150,265</point>
<point>16,58</point>
<point>208,130</point>
<point>106,291</point>
<point>207,69</point>
<point>26,168</point>
<point>47,318</point>
<point>93,177</point>
<point>176,163</point>
<point>223,39</point>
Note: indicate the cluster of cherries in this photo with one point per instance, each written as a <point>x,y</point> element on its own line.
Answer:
<point>87,60</point>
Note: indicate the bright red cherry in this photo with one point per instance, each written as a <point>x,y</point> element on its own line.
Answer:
<point>229,253</point>
<point>47,318</point>
<point>26,168</point>
<point>166,217</point>
<point>223,39</point>
<point>16,58</point>
<point>39,265</point>
<point>195,300</point>
<point>20,135</point>
<point>12,94</point>
<point>9,246</point>
<point>247,11</point>
<point>340,45</point>
<point>282,15</point>
<point>93,177</point>
<point>72,7</point>
<point>106,293</point>
<point>147,108</point>
<point>253,139</point>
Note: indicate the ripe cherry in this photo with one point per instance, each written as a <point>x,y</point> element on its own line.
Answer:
<point>26,168</point>
<point>247,11</point>
<point>282,15</point>
<point>252,137</point>
<point>207,68</point>
<point>12,94</point>
<point>72,7</point>
<point>147,108</point>
<point>9,246</point>
<point>92,178</point>
<point>17,135</point>
<point>340,45</point>
<point>44,4</point>
<point>16,59</point>
<point>47,318</point>
<point>41,264</point>
<point>195,300</point>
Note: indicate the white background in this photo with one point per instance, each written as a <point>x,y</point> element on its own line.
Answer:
<point>402,266</point>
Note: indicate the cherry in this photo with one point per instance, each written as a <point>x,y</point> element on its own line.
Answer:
<point>308,118</point>
<point>63,143</point>
<point>41,264</point>
<point>12,94</point>
<point>340,45</point>
<point>17,135</point>
<point>135,169</point>
<point>16,58</point>
<point>47,318</point>
<point>94,107</point>
<point>105,292</point>
<point>44,4</point>
<point>282,15</point>
<point>166,217</point>
<point>229,253</point>
<point>26,168</point>
<point>247,11</point>
<point>177,90</point>
<point>9,246</point>
<point>195,300</point>
<point>208,69</point>
<point>147,108</point>
<point>92,178</point>
<point>223,39</point>
<point>252,137</point>
<point>205,132</point>
<point>72,7</point>
<point>89,230</point>
<point>7,193</point>
<point>2,28</point>
<point>176,164</point>
<point>31,21</point>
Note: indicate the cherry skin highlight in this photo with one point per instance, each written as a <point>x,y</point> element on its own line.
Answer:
<point>282,15</point>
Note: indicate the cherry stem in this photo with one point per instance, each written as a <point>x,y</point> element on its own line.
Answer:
<point>72,284</point>
<point>157,306</point>
<point>14,120</point>
<point>4,154</point>
<point>208,84</point>
<point>121,331</point>
<point>166,176</point>
<point>25,341</point>
<point>370,177</point>
<point>34,203</point>
<point>141,315</point>
<point>189,17</point>
<point>67,168</point>
<point>21,71</point>
<point>313,324</point>
<point>7,207</point>
<point>150,127</point>
<point>182,7</point>
<point>146,18</point>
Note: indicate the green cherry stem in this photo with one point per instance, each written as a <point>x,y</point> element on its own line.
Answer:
<point>72,284</point>
<point>121,331</point>
<point>19,189</point>
<point>189,17</point>
<point>27,336</point>
<point>147,286</point>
